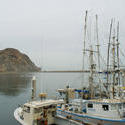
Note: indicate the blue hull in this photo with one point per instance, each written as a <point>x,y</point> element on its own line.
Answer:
<point>80,118</point>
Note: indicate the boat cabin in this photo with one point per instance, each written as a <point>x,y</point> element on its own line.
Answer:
<point>40,112</point>
<point>71,94</point>
<point>82,94</point>
<point>111,108</point>
<point>61,94</point>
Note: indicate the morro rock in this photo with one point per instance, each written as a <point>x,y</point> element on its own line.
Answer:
<point>12,60</point>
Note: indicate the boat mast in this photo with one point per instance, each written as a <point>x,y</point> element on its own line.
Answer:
<point>108,58</point>
<point>118,58</point>
<point>98,51</point>
<point>84,46</point>
<point>114,66</point>
<point>91,72</point>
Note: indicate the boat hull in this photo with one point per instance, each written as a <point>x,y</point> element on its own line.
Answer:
<point>58,121</point>
<point>17,117</point>
<point>85,119</point>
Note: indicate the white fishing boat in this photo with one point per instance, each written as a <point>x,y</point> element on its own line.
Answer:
<point>92,109</point>
<point>37,112</point>
<point>94,112</point>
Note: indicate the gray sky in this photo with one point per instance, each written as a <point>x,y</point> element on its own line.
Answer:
<point>51,31</point>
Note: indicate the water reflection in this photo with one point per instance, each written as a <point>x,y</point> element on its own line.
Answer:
<point>14,84</point>
<point>16,89</point>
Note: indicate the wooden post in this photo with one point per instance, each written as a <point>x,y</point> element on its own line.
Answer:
<point>33,88</point>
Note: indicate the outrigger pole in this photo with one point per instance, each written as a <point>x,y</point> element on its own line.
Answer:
<point>108,58</point>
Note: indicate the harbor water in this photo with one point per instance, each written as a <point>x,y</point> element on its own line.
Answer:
<point>15,89</point>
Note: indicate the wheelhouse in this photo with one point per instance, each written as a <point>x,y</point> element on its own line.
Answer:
<point>39,112</point>
<point>110,108</point>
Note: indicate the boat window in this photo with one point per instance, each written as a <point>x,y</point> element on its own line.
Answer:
<point>90,105</point>
<point>66,106</point>
<point>76,110</point>
<point>50,106</point>
<point>120,106</point>
<point>70,104</point>
<point>123,105</point>
<point>53,106</point>
<point>61,93</point>
<point>105,107</point>
<point>26,109</point>
<point>113,107</point>
<point>53,113</point>
<point>37,110</point>
<point>70,109</point>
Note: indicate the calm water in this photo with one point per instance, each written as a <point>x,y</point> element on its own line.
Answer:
<point>16,89</point>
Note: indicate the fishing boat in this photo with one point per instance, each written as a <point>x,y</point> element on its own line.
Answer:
<point>87,108</point>
<point>94,112</point>
<point>37,112</point>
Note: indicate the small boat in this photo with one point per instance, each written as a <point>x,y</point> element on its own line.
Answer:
<point>37,112</point>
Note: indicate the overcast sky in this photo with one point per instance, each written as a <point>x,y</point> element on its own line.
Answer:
<point>50,32</point>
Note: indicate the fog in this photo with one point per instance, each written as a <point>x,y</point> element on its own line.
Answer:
<point>51,32</point>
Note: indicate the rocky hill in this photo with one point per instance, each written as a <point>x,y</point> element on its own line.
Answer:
<point>12,60</point>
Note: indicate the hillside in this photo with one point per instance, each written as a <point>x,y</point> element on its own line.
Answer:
<point>12,60</point>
